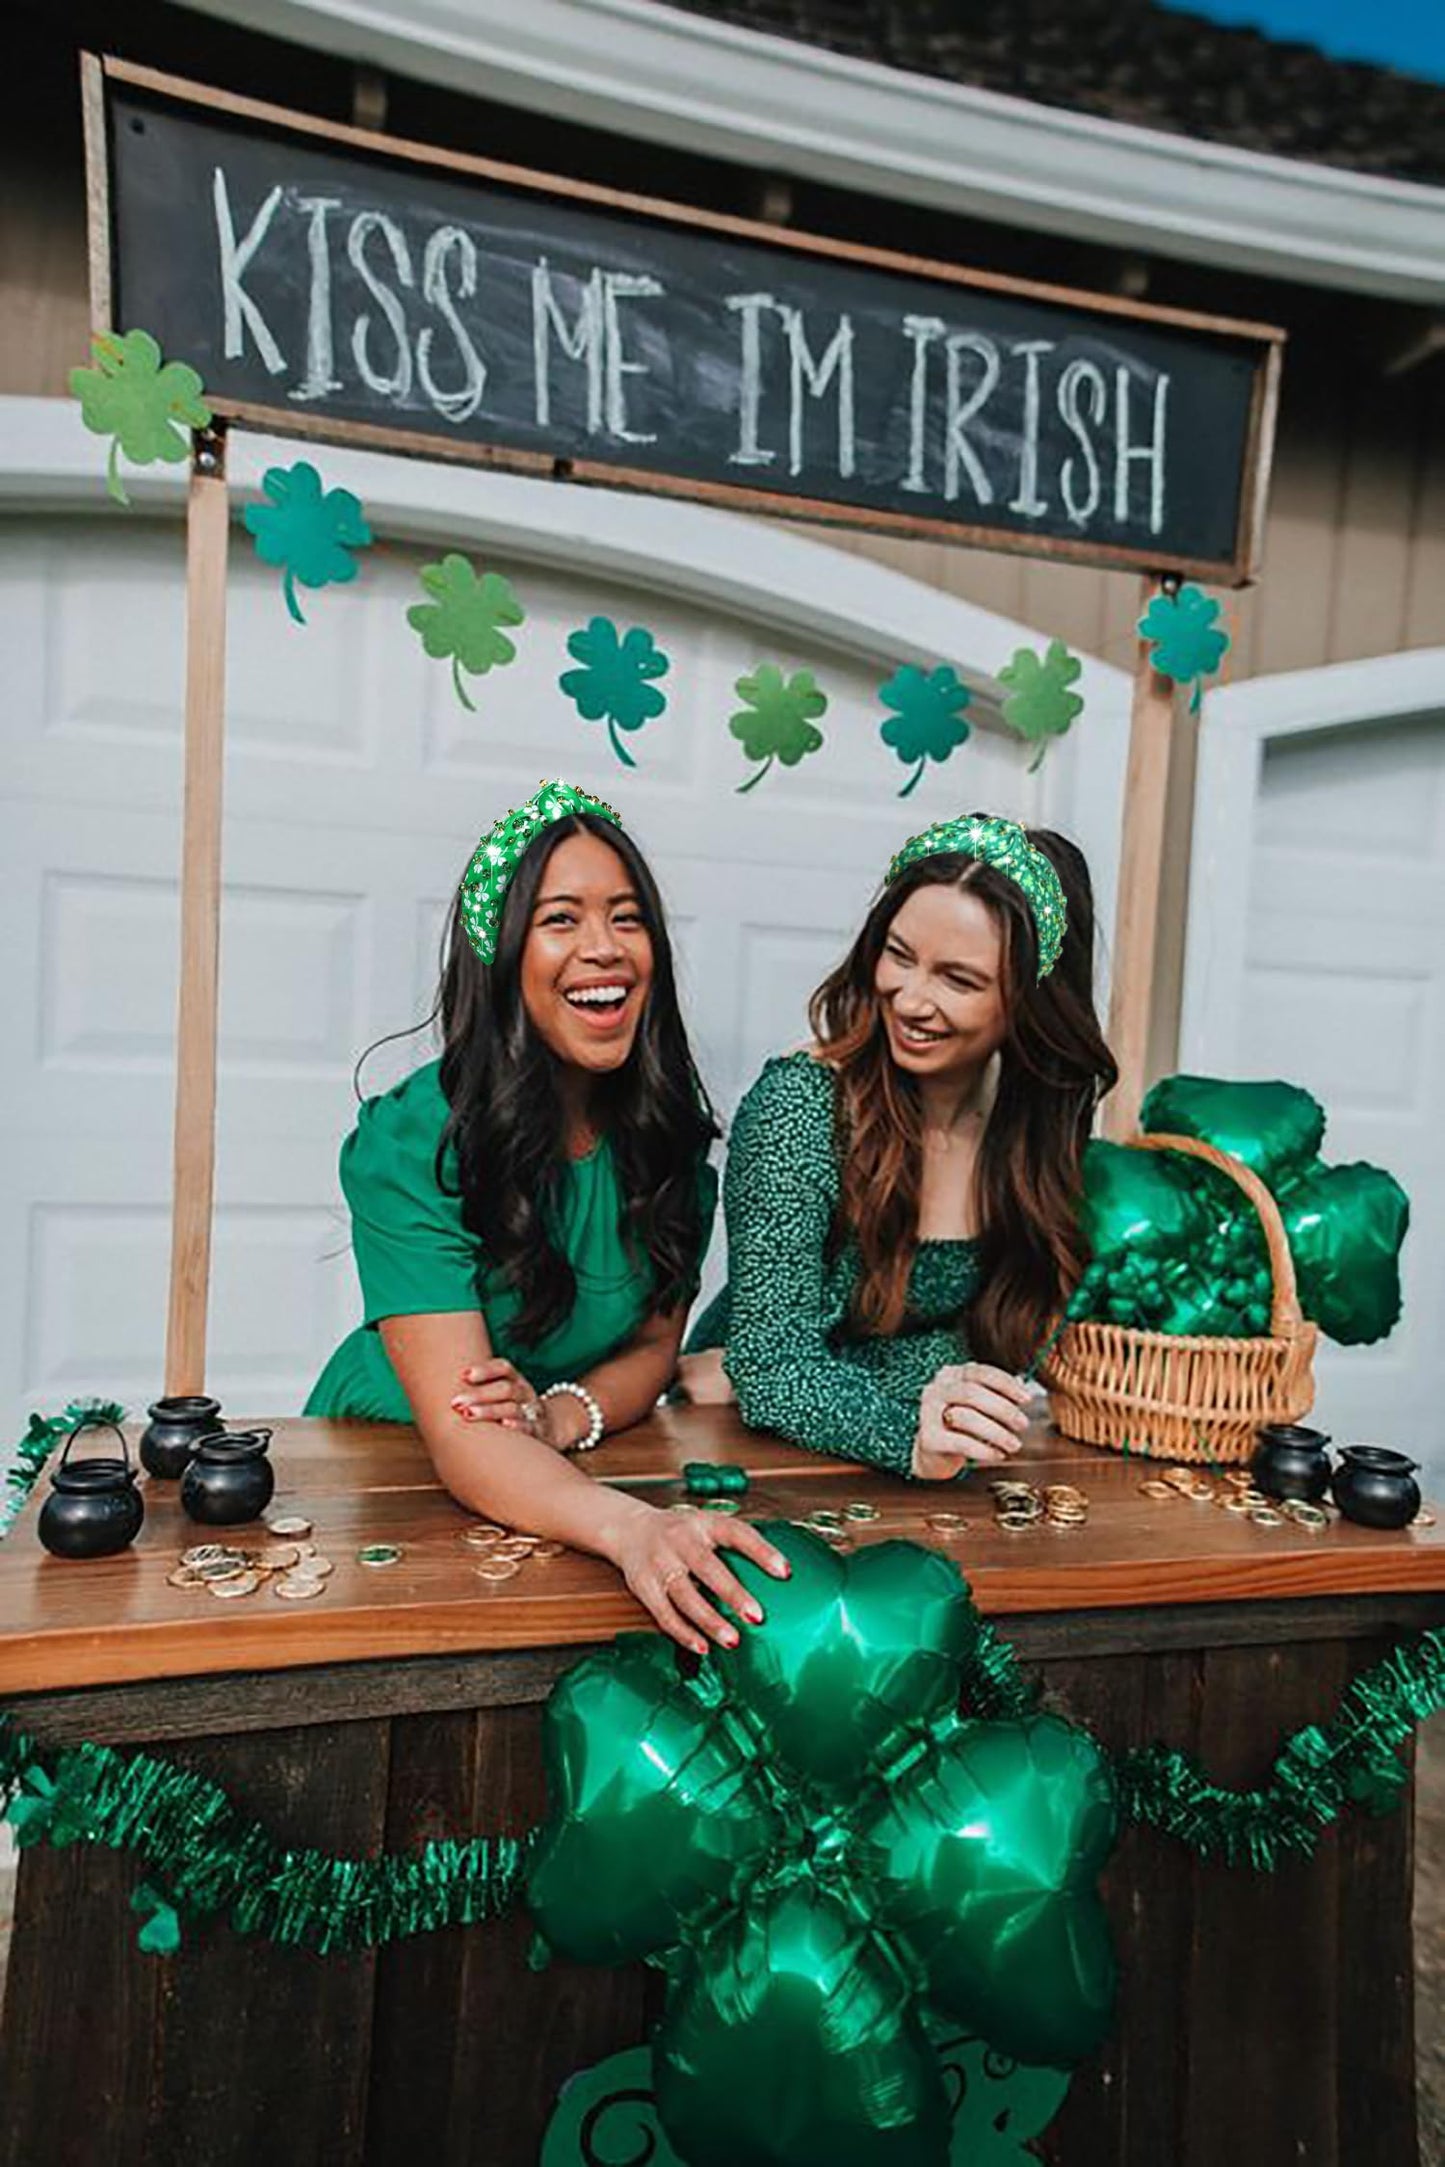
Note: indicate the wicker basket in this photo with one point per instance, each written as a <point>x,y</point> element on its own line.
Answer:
<point>1177,1398</point>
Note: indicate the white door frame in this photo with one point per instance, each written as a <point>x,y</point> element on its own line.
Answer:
<point>1239,722</point>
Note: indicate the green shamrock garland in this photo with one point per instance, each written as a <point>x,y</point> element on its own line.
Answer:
<point>142,404</point>
<point>776,722</point>
<point>1188,642</point>
<point>1040,705</point>
<point>309,534</point>
<point>464,619</point>
<point>927,722</point>
<point>615,682</point>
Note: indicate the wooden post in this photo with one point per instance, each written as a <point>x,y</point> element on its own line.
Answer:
<point>1131,988</point>
<point>207,534</point>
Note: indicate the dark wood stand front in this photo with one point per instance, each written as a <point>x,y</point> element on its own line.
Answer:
<point>1263,2019</point>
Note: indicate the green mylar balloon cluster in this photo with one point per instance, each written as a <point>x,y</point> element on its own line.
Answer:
<point>1177,1247</point>
<point>819,1850</point>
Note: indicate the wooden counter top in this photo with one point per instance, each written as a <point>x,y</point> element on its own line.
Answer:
<point>65,1624</point>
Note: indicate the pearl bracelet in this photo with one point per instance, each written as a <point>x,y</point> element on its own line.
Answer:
<point>596,1420</point>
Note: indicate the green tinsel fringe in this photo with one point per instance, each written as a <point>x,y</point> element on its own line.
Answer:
<point>210,1858</point>
<point>40,1440</point>
<point>1318,1773</point>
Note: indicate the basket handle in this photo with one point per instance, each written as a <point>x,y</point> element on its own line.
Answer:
<point>1285,1315</point>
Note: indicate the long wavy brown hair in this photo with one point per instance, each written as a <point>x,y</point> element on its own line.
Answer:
<point>1054,1067</point>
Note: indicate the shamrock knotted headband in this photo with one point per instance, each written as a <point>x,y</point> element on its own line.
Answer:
<point>1003,845</point>
<point>498,854</point>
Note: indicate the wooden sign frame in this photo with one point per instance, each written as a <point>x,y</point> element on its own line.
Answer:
<point>1153,716</point>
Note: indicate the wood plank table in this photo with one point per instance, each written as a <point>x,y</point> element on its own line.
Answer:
<point>1262,2019</point>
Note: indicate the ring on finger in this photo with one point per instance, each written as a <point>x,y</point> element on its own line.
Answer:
<point>530,1411</point>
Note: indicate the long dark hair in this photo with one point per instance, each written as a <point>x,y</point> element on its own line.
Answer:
<point>506,1118</point>
<point>1054,1068</point>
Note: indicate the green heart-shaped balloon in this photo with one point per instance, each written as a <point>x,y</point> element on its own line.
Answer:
<point>654,1813</point>
<point>985,1858</point>
<point>791,2041</point>
<point>857,1655</point>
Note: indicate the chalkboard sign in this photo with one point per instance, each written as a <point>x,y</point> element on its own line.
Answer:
<point>329,282</point>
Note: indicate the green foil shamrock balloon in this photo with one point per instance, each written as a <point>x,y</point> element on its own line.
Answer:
<point>1274,1128</point>
<point>822,1853</point>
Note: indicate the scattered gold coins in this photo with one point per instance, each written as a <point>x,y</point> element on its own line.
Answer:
<point>293,1570</point>
<point>1021,1505</point>
<point>1236,1493</point>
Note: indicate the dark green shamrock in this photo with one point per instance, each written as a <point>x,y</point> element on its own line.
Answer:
<point>1188,642</point>
<point>161,1934</point>
<point>43,1811</point>
<point>1040,705</point>
<point>465,617</point>
<point>309,534</point>
<point>777,721</point>
<point>928,720</point>
<point>140,403</point>
<point>614,680</point>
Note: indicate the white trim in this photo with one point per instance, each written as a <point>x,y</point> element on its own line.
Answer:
<point>665,76</point>
<point>758,569</point>
<point>1239,721</point>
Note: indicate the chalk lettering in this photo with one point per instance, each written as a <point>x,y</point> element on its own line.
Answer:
<point>1028,503</point>
<point>321,374</point>
<point>750,306</point>
<point>816,375</point>
<point>957,450</point>
<point>623,286</point>
<point>1150,455</point>
<point>241,312</point>
<point>460,404</point>
<point>398,384</point>
<point>581,340</point>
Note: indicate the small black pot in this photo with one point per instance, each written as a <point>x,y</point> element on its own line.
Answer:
<point>1291,1461</point>
<point>94,1508</point>
<point>176,1427</point>
<point>229,1478</point>
<point>1376,1487</point>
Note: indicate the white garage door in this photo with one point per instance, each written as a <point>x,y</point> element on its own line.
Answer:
<point>355,789</point>
<point>1329,969</point>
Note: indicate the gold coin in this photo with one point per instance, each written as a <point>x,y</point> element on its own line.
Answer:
<point>205,1553</point>
<point>238,1584</point>
<point>1156,1487</point>
<point>1266,1516</point>
<point>837,1538</point>
<point>944,1523</point>
<point>495,1568</point>
<point>1423,1518</point>
<point>485,1527</point>
<point>276,1557</point>
<point>294,1588</point>
<point>1202,1493</point>
<point>515,1546</point>
<point>288,1523</point>
<point>859,1509</point>
<point>1240,1477</point>
<point>1016,1519</point>
<point>219,1568</point>
<point>480,1538</point>
<point>545,1550</point>
<point>315,1568</point>
<point>185,1576</point>
<point>1237,1504</point>
<point>1309,1516</point>
<point>1063,1489</point>
<point>824,1516</point>
<point>1257,1497</point>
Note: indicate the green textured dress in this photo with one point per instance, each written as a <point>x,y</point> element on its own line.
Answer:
<point>415,1257</point>
<point>782,1319</point>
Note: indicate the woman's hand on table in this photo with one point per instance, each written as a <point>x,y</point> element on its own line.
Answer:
<point>969,1411</point>
<point>671,1561</point>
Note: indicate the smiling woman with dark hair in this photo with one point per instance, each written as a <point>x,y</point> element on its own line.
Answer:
<point>530,1213</point>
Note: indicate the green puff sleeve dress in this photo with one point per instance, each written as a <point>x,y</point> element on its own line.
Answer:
<point>415,1257</point>
<point>782,1319</point>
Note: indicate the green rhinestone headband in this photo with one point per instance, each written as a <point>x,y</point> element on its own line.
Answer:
<point>1003,845</point>
<point>497,855</point>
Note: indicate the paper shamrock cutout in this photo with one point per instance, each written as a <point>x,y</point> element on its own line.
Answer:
<point>161,1934</point>
<point>142,404</point>
<point>1040,705</point>
<point>777,721</point>
<point>308,534</point>
<point>464,619</point>
<point>996,2105</point>
<point>1188,642</point>
<point>927,723</point>
<point>614,682</point>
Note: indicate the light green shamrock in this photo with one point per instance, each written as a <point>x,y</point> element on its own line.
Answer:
<point>307,533</point>
<point>1039,704</point>
<point>141,404</point>
<point>928,720</point>
<point>1189,643</point>
<point>614,681</point>
<point>777,721</point>
<point>465,617</point>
